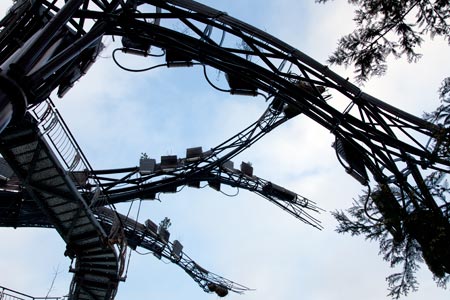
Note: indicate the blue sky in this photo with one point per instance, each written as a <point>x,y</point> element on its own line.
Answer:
<point>116,115</point>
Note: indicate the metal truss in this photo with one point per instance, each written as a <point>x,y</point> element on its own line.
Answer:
<point>55,196</point>
<point>156,240</point>
<point>20,211</point>
<point>213,166</point>
<point>372,135</point>
<point>137,187</point>
<point>47,46</point>
<point>147,236</point>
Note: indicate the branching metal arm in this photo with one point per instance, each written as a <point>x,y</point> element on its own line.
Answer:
<point>156,240</point>
<point>211,166</point>
<point>197,161</point>
<point>295,204</point>
<point>384,140</point>
<point>147,236</point>
<point>47,46</point>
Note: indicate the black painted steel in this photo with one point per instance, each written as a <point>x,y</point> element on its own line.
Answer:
<point>55,195</point>
<point>47,46</point>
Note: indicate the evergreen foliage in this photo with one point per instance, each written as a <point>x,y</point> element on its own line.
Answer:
<point>408,234</point>
<point>389,27</point>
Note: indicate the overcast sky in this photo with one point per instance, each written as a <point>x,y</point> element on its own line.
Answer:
<point>116,115</point>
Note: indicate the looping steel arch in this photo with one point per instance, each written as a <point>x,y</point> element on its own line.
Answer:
<point>46,47</point>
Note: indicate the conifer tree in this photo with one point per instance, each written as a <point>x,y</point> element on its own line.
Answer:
<point>389,28</point>
<point>408,234</point>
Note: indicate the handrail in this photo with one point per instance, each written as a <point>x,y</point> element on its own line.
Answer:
<point>53,127</point>
<point>9,294</point>
<point>62,142</point>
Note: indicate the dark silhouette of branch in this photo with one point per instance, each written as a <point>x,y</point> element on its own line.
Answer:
<point>385,28</point>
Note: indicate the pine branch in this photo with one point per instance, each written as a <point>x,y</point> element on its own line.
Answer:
<point>382,30</point>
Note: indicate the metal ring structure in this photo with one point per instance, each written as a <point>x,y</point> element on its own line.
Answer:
<point>377,136</point>
<point>61,40</point>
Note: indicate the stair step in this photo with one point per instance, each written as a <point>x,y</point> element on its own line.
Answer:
<point>22,145</point>
<point>108,261</point>
<point>103,253</point>
<point>68,216</point>
<point>54,190</point>
<point>39,177</point>
<point>102,271</point>
<point>64,207</point>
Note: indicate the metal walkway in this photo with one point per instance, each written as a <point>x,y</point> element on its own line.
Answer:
<point>96,269</point>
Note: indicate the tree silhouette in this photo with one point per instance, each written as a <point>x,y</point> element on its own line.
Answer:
<point>389,27</point>
<point>408,232</point>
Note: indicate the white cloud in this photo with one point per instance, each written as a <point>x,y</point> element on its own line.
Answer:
<point>116,115</point>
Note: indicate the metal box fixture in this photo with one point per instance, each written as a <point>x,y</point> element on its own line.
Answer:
<point>169,162</point>
<point>194,154</point>
<point>177,247</point>
<point>146,166</point>
<point>247,169</point>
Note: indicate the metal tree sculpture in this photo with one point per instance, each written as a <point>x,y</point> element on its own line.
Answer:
<point>47,46</point>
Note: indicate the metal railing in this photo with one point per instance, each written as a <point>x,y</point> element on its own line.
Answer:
<point>66,149</point>
<point>54,129</point>
<point>8,294</point>
<point>63,144</point>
